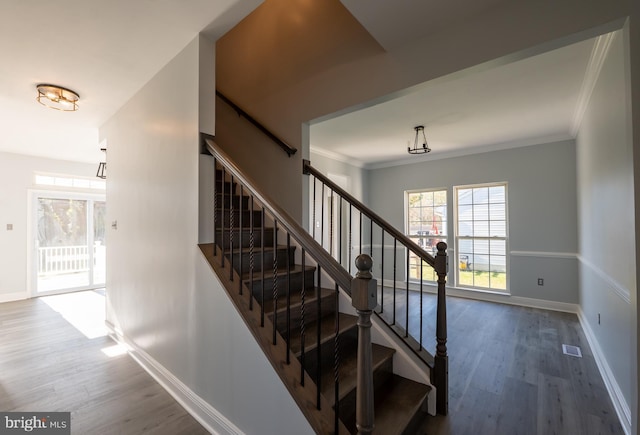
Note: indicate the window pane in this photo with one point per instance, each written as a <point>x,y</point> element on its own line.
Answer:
<point>496,212</point>
<point>481,195</point>
<point>465,228</point>
<point>481,212</point>
<point>498,229</point>
<point>465,212</point>
<point>481,246</point>
<point>426,216</point>
<point>497,194</point>
<point>440,198</point>
<point>482,216</point>
<point>481,228</point>
<point>498,247</point>
<point>465,196</point>
<point>465,246</point>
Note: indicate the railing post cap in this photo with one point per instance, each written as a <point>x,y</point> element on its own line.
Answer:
<point>364,263</point>
<point>363,286</point>
<point>441,246</point>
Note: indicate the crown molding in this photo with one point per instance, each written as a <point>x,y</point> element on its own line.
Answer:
<point>596,61</point>
<point>336,156</point>
<point>471,150</point>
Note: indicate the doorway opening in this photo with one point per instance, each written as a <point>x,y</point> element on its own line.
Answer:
<point>70,245</point>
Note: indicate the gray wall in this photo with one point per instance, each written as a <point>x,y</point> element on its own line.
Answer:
<point>606,216</point>
<point>541,209</point>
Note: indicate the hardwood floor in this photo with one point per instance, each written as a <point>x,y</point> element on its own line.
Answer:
<point>48,365</point>
<point>507,372</point>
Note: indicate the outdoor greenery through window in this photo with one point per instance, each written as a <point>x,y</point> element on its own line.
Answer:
<point>426,225</point>
<point>481,236</point>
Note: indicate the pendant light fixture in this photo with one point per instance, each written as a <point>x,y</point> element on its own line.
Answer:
<point>57,97</point>
<point>417,147</point>
<point>102,167</point>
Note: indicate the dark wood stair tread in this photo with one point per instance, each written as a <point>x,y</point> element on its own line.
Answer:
<point>327,332</point>
<point>348,370</point>
<point>258,249</point>
<point>397,404</point>
<point>296,299</point>
<point>268,274</point>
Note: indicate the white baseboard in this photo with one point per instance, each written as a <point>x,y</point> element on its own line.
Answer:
<point>619,402</point>
<point>10,297</point>
<point>209,417</point>
<point>493,296</point>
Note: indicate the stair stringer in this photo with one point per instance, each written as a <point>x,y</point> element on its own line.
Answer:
<point>405,362</point>
<point>321,420</point>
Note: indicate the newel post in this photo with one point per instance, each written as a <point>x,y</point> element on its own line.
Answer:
<point>441,369</point>
<point>363,298</point>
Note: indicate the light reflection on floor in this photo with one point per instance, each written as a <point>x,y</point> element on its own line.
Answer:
<point>84,310</point>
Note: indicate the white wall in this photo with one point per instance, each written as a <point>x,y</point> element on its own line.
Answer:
<point>606,216</point>
<point>16,178</point>
<point>161,296</point>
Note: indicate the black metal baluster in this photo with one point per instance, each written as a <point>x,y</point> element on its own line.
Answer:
<point>240,241</point>
<point>288,298</point>
<point>231,226</point>
<point>406,332</point>
<point>215,206</point>
<point>302,324</point>
<point>371,237</point>
<point>314,209</point>
<point>322,217</point>
<point>222,248</point>
<point>350,237</point>
<point>251,253</point>
<point>262,266</point>
<point>382,272</point>
<point>336,364</point>
<point>360,229</point>
<point>318,328</point>
<point>340,232</point>
<point>421,266</point>
<point>331,223</point>
<point>275,278</point>
<point>395,269</point>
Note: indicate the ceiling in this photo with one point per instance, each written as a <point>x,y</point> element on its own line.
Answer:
<point>104,50</point>
<point>535,100</point>
<point>107,50</point>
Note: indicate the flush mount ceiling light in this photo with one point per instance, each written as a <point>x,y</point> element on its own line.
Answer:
<point>57,97</point>
<point>417,148</point>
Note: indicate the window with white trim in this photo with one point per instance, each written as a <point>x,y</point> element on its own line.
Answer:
<point>426,224</point>
<point>481,236</point>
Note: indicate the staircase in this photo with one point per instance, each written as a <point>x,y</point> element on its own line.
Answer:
<point>289,292</point>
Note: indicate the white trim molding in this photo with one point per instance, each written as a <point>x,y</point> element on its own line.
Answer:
<point>543,254</point>
<point>615,286</point>
<point>16,296</point>
<point>598,55</point>
<point>490,296</point>
<point>203,412</point>
<point>619,402</point>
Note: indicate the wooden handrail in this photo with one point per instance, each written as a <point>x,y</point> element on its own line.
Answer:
<point>282,144</point>
<point>312,247</point>
<point>410,244</point>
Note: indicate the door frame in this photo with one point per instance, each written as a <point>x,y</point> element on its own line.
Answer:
<point>32,232</point>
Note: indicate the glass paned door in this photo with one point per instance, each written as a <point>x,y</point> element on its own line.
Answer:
<point>99,242</point>
<point>70,247</point>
